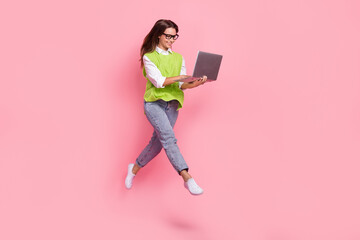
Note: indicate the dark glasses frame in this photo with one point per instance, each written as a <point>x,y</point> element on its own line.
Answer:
<point>169,36</point>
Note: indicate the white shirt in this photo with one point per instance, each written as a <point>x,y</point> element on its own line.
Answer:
<point>154,74</point>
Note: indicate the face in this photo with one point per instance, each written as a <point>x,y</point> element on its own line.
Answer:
<point>165,43</point>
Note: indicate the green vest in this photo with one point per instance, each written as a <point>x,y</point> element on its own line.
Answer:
<point>169,66</point>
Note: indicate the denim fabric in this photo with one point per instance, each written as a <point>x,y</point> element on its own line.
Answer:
<point>162,115</point>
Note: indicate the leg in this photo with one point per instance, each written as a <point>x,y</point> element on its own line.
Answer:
<point>154,147</point>
<point>185,175</point>
<point>189,182</point>
<point>150,151</point>
<point>162,117</point>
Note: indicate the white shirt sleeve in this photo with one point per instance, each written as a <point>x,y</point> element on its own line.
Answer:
<point>153,73</point>
<point>183,71</point>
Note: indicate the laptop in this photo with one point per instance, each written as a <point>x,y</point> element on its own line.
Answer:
<point>207,64</point>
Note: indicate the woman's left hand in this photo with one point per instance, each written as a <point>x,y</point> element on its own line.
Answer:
<point>196,83</point>
<point>200,81</point>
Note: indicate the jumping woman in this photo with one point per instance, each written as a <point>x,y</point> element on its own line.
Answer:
<point>164,69</point>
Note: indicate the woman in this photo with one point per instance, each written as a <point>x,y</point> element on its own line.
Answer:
<point>164,70</point>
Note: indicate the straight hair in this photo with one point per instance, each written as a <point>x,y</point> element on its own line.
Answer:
<point>152,38</point>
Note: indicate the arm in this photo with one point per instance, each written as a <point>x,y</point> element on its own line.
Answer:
<point>182,71</point>
<point>195,83</point>
<point>155,76</point>
<point>171,80</point>
<point>186,85</point>
<point>178,78</point>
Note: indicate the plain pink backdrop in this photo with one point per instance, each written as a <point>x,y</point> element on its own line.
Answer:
<point>275,142</point>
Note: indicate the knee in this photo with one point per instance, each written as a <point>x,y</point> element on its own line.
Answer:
<point>168,141</point>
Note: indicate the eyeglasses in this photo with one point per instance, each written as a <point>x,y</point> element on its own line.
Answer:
<point>169,36</point>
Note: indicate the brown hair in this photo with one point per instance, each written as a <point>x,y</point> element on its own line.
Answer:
<point>152,38</point>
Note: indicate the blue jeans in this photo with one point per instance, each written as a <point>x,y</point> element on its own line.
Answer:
<point>162,115</point>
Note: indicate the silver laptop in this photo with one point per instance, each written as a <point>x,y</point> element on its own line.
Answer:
<point>207,64</point>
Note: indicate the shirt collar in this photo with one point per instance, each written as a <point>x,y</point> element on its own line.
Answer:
<point>159,50</point>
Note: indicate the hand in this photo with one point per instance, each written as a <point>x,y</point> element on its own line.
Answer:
<point>199,81</point>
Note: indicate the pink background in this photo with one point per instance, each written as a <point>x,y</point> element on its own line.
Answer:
<point>275,143</point>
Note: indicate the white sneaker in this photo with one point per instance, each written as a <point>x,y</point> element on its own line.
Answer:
<point>130,176</point>
<point>193,188</point>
